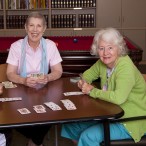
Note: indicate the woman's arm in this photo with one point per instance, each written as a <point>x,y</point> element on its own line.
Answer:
<point>56,72</point>
<point>13,76</point>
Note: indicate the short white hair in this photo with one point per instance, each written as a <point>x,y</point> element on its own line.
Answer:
<point>109,35</point>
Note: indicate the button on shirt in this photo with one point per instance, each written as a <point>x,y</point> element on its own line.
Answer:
<point>33,58</point>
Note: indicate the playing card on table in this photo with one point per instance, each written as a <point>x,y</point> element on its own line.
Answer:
<point>24,111</point>
<point>72,93</point>
<point>40,110</point>
<point>53,106</point>
<point>75,79</point>
<point>8,84</point>
<point>69,105</point>
<point>39,107</point>
<point>10,99</point>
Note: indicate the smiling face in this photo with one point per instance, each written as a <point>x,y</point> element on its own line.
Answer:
<point>35,29</point>
<point>108,53</point>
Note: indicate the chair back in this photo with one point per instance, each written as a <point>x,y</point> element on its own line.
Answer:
<point>144,75</point>
<point>3,76</point>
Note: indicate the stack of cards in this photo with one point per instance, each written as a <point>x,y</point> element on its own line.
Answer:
<point>10,99</point>
<point>69,105</point>
<point>72,93</point>
<point>39,109</point>
<point>53,106</point>
<point>8,84</point>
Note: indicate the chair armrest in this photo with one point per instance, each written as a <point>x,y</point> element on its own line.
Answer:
<point>129,119</point>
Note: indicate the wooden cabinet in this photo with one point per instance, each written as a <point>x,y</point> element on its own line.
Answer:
<point>109,13</point>
<point>129,16</point>
<point>134,22</point>
<point>133,13</point>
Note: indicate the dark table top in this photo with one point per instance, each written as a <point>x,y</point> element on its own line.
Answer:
<point>87,107</point>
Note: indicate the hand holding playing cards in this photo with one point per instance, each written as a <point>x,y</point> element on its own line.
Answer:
<point>85,87</point>
<point>30,82</point>
<point>80,84</point>
<point>43,80</point>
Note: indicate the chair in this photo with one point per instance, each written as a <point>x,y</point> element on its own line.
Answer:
<point>144,75</point>
<point>129,142</point>
<point>3,76</point>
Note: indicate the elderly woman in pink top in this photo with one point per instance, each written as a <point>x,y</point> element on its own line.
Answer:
<point>30,56</point>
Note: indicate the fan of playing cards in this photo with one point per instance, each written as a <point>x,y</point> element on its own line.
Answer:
<point>36,75</point>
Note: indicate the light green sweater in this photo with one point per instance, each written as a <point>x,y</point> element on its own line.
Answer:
<point>126,87</point>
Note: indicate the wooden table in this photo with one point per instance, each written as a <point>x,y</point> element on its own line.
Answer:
<point>87,107</point>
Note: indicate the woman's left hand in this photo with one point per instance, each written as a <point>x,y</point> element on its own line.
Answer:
<point>43,80</point>
<point>86,88</point>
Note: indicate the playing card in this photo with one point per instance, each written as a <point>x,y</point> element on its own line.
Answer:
<point>37,75</point>
<point>39,107</point>
<point>10,99</point>
<point>41,110</point>
<point>41,76</point>
<point>72,93</point>
<point>69,105</point>
<point>75,79</point>
<point>8,84</point>
<point>53,106</point>
<point>24,111</point>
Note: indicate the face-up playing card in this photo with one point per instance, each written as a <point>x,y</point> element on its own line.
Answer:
<point>24,111</point>
<point>10,99</point>
<point>72,93</point>
<point>69,105</point>
<point>39,108</point>
<point>8,84</point>
<point>53,106</point>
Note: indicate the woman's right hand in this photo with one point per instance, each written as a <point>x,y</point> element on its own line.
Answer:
<point>80,84</point>
<point>30,82</point>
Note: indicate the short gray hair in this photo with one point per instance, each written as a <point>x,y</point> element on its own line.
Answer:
<point>110,35</point>
<point>36,14</point>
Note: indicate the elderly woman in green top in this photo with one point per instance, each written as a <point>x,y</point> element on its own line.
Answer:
<point>121,83</point>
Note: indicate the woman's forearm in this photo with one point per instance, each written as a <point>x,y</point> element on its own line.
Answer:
<point>16,78</point>
<point>54,75</point>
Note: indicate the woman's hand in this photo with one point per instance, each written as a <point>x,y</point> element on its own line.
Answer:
<point>30,82</point>
<point>80,84</point>
<point>1,88</point>
<point>43,80</point>
<point>85,87</point>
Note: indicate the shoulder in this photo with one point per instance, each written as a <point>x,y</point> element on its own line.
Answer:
<point>126,66</point>
<point>125,62</point>
<point>50,42</point>
<point>17,43</point>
